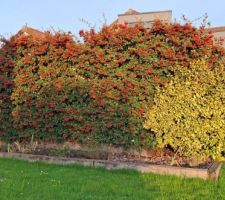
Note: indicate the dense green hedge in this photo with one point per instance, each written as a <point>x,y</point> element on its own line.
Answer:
<point>98,90</point>
<point>7,53</point>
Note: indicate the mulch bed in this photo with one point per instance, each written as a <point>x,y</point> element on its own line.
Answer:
<point>151,156</point>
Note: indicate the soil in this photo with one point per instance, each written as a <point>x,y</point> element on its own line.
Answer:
<point>104,152</point>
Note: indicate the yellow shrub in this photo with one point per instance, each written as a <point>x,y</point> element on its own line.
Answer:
<point>189,114</point>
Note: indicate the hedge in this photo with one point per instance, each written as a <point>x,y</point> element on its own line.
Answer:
<point>98,90</point>
<point>189,113</point>
<point>7,53</point>
<point>137,61</point>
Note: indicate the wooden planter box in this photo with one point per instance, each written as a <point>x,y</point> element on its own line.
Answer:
<point>212,172</point>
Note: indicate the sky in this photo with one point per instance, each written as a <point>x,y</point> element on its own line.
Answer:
<point>74,15</point>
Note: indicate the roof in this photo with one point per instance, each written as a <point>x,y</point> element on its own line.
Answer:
<point>30,31</point>
<point>134,12</point>
<point>131,11</point>
<point>217,29</point>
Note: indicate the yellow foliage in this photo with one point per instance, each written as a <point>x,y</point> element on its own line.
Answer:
<point>189,114</point>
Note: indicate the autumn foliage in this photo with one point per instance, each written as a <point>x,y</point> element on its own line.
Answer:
<point>98,90</point>
<point>7,52</point>
<point>188,114</point>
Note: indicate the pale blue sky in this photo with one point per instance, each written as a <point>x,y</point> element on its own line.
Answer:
<point>66,14</point>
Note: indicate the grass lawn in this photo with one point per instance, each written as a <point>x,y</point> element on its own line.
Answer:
<point>28,181</point>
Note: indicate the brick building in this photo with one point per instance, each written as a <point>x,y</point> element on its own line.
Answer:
<point>132,17</point>
<point>219,33</point>
<point>30,31</point>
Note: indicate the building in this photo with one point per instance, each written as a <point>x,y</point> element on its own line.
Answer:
<point>219,33</point>
<point>25,30</point>
<point>133,17</point>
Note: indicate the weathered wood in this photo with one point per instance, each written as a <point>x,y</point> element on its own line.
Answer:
<point>209,173</point>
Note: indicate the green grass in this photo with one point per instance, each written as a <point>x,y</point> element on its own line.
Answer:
<point>29,181</point>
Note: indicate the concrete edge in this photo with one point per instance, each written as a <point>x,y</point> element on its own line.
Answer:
<point>211,173</point>
<point>214,170</point>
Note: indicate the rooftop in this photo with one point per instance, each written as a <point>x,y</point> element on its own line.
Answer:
<point>131,11</point>
<point>30,31</point>
<point>217,29</point>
